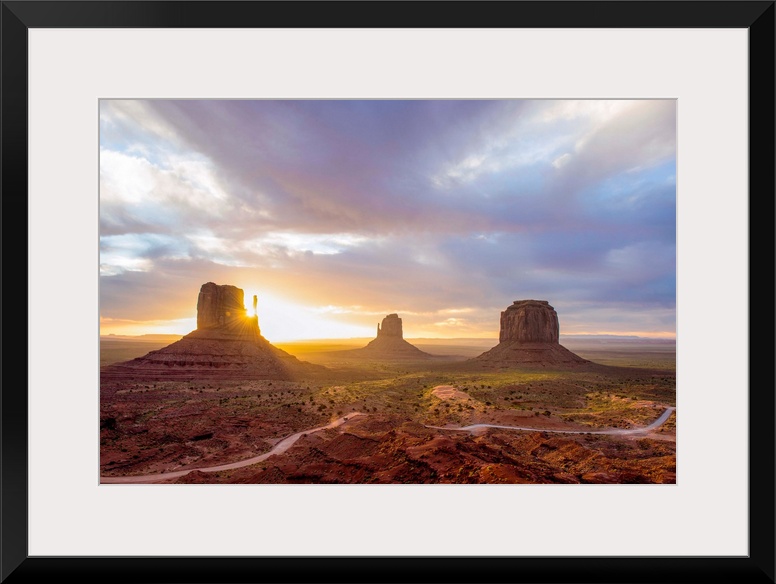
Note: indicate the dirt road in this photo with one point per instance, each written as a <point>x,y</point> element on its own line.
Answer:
<point>289,441</point>
<point>611,432</point>
<point>279,448</point>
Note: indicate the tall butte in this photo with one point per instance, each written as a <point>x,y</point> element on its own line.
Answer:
<point>530,335</point>
<point>226,344</point>
<point>390,344</point>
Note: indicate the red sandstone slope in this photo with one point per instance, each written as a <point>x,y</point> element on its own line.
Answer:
<point>530,353</point>
<point>379,449</point>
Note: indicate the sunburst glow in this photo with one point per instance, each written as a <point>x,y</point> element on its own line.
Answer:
<point>285,320</point>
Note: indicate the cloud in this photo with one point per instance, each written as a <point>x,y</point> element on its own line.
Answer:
<point>419,206</point>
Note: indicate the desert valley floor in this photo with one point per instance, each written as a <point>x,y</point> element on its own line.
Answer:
<point>360,419</point>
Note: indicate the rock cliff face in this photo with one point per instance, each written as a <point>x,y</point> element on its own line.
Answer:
<point>530,335</point>
<point>391,327</point>
<point>529,321</point>
<point>226,344</point>
<point>219,305</point>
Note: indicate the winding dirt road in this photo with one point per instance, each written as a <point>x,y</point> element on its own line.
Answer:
<point>612,432</point>
<point>289,441</point>
<point>279,448</point>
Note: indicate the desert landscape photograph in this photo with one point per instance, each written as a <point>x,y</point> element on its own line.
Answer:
<point>387,292</point>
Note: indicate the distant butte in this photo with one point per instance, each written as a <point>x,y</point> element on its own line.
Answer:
<point>390,343</point>
<point>530,335</point>
<point>226,344</point>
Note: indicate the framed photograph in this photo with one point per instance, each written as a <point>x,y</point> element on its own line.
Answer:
<point>259,184</point>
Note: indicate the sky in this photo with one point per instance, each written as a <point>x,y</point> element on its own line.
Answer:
<point>339,212</point>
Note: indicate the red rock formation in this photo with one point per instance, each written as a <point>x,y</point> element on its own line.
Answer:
<point>389,343</point>
<point>226,344</point>
<point>529,336</point>
<point>529,321</point>
<point>391,327</point>
<point>219,305</point>
<point>377,449</point>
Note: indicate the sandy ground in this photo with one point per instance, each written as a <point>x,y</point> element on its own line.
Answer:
<point>448,392</point>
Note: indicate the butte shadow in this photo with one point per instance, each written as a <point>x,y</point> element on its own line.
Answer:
<point>227,344</point>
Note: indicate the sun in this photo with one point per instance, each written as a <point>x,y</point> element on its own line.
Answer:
<point>281,319</point>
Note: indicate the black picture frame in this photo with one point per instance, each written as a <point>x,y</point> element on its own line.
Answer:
<point>19,16</point>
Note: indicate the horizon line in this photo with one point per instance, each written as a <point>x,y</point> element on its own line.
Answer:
<point>640,335</point>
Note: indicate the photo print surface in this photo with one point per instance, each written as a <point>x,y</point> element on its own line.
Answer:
<point>387,291</point>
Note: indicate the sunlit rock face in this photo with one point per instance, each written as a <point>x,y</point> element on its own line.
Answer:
<point>529,321</point>
<point>391,327</point>
<point>219,305</point>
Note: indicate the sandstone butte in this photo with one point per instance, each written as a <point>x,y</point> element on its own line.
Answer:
<point>227,343</point>
<point>529,335</point>
<point>389,343</point>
